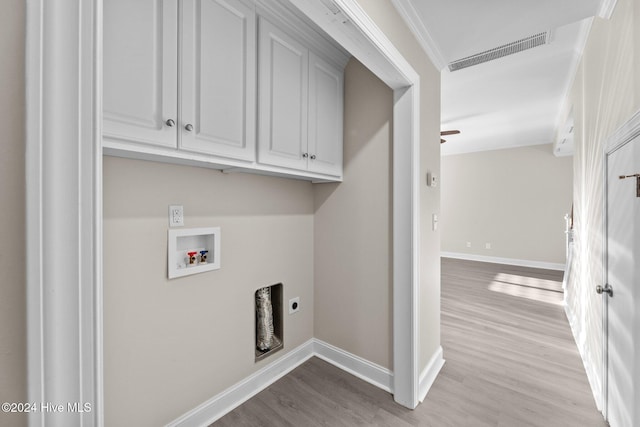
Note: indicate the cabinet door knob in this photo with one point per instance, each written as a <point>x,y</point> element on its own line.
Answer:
<point>170,123</point>
<point>313,157</point>
<point>189,127</point>
<point>305,155</point>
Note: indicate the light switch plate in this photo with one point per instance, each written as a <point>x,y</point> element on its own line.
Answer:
<point>176,216</point>
<point>432,180</point>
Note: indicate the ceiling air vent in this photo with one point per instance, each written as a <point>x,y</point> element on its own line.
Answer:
<point>500,51</point>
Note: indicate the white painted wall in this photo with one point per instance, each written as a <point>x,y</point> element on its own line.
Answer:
<point>605,93</point>
<point>514,199</point>
<point>13,358</point>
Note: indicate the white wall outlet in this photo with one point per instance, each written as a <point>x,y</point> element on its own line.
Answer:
<point>487,245</point>
<point>468,244</point>
<point>176,216</point>
<point>434,222</point>
<point>294,305</point>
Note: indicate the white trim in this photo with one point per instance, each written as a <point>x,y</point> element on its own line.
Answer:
<point>354,30</point>
<point>607,8</point>
<point>229,399</point>
<point>583,37</point>
<point>355,365</point>
<point>406,240</point>
<point>507,261</point>
<point>430,372</point>
<point>226,401</point>
<point>363,39</point>
<point>624,134</point>
<point>411,18</point>
<point>64,215</point>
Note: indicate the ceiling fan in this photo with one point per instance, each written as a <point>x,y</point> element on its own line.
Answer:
<point>447,132</point>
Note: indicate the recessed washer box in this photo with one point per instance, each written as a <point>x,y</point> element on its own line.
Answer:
<point>193,250</point>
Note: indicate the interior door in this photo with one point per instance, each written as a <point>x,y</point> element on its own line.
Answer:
<point>622,294</point>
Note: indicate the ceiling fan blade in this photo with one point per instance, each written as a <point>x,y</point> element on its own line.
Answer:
<point>449,132</point>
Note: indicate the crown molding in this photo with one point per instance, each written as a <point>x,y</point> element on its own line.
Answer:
<point>606,8</point>
<point>419,30</point>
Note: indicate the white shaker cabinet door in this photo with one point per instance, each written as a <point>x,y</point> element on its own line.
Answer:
<point>218,78</point>
<point>140,71</point>
<point>283,66</point>
<point>326,99</point>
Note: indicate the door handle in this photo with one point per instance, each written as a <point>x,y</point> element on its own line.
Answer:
<point>606,290</point>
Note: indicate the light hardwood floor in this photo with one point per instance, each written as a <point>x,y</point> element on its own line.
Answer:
<point>510,361</point>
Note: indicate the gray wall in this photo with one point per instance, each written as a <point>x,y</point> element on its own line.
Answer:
<point>387,18</point>
<point>353,284</point>
<point>179,342</point>
<point>514,199</point>
<point>13,358</point>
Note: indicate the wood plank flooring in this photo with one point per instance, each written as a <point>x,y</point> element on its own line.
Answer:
<point>510,361</point>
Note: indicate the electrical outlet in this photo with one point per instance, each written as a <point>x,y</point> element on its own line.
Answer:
<point>176,216</point>
<point>468,244</point>
<point>294,305</point>
<point>487,245</point>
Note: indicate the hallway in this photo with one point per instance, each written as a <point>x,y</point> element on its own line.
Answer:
<point>511,358</point>
<point>511,361</point>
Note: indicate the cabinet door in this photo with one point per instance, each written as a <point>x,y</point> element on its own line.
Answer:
<point>218,78</point>
<point>140,71</point>
<point>326,98</point>
<point>283,66</point>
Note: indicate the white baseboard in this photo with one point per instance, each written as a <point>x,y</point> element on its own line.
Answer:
<point>234,396</point>
<point>507,261</point>
<point>429,374</point>
<point>370,372</point>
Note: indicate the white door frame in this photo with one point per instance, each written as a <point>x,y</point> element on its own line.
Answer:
<point>64,199</point>
<point>626,133</point>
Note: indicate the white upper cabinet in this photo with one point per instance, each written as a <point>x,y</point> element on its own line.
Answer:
<point>238,85</point>
<point>188,84</point>
<point>283,98</point>
<point>218,78</point>
<point>140,71</point>
<point>300,105</point>
<point>326,112</point>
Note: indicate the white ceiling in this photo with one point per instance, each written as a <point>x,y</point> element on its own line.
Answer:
<point>511,101</point>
